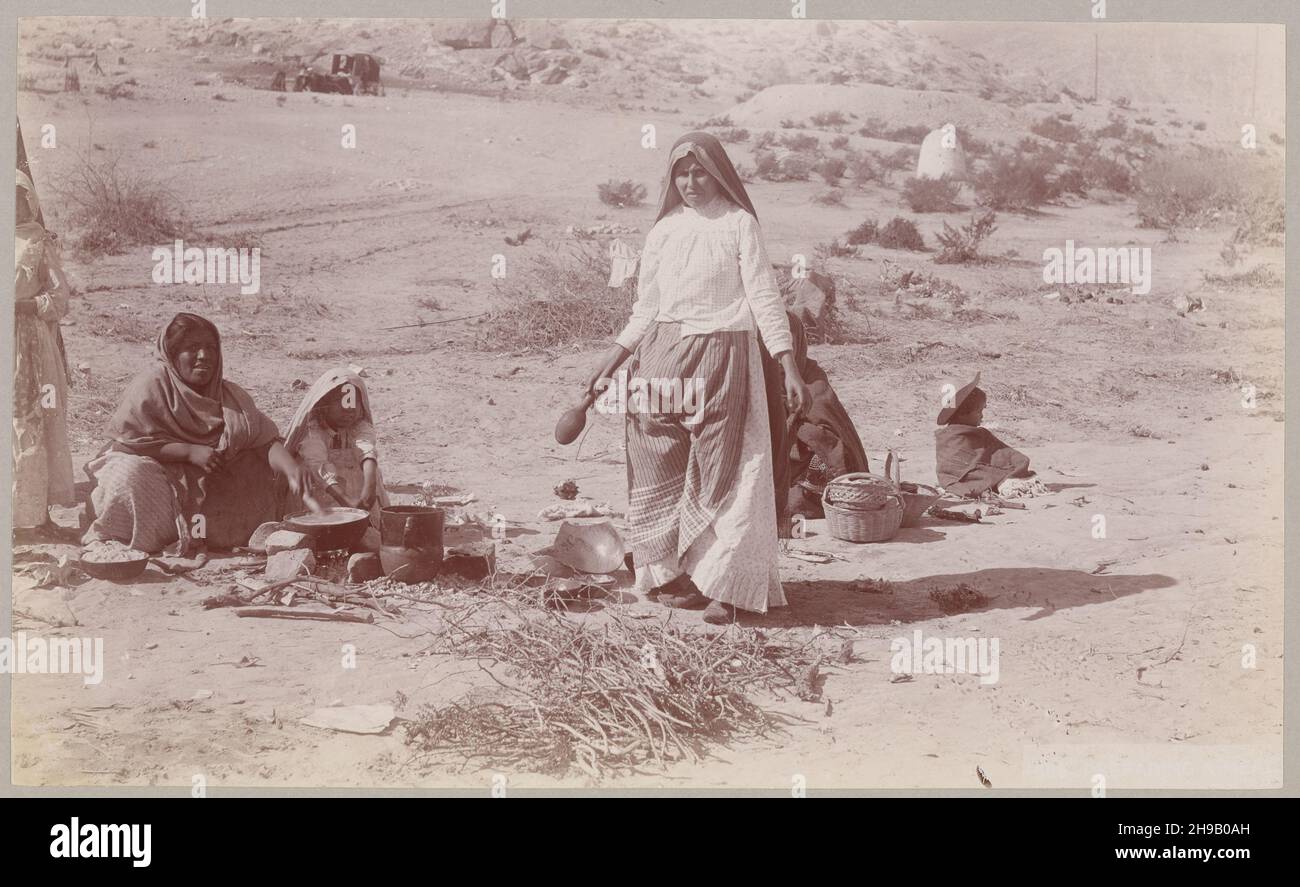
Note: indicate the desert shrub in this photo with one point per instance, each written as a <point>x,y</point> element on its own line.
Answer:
<point>1142,137</point>
<point>1122,102</point>
<point>122,91</point>
<point>557,299</point>
<point>828,119</point>
<point>913,283</point>
<point>1146,121</point>
<point>902,159</point>
<point>1028,145</point>
<point>834,250</point>
<point>863,234</point>
<point>766,165</point>
<point>1057,129</point>
<point>972,144</point>
<point>1116,128</point>
<point>876,128</point>
<point>862,168</point>
<point>1176,124</point>
<point>900,233</point>
<point>766,139</point>
<point>118,209</point>
<point>873,128</point>
<point>717,122</point>
<point>912,134</point>
<point>1108,173</point>
<point>1181,189</point>
<point>1261,221</point>
<point>833,197</point>
<point>621,194</point>
<point>787,123</point>
<point>925,195</point>
<point>1259,277</point>
<point>694,79</point>
<point>831,169</point>
<point>801,142</point>
<point>796,167</point>
<point>732,135</point>
<point>963,244</point>
<point>1071,181</point>
<point>1011,181</point>
<point>1199,126</point>
<point>839,143</point>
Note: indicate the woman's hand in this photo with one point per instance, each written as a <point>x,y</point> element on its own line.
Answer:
<point>283,463</point>
<point>299,477</point>
<point>207,459</point>
<point>797,396</point>
<point>610,362</point>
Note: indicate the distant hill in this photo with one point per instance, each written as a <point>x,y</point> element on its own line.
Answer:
<point>1205,65</point>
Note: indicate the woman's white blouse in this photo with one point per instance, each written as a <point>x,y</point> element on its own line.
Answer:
<point>707,269</point>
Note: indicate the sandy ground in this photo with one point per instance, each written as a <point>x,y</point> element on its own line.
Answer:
<point>1120,657</point>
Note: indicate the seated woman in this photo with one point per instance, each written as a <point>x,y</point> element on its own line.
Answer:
<point>191,460</point>
<point>333,435</point>
<point>823,444</point>
<point>969,459</point>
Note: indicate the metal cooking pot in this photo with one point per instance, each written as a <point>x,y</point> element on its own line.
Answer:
<point>335,528</point>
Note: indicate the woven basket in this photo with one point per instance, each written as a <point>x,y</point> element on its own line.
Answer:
<point>858,490</point>
<point>857,522</point>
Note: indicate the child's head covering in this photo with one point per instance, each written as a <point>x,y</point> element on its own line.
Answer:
<point>713,157</point>
<point>963,395</point>
<point>335,378</point>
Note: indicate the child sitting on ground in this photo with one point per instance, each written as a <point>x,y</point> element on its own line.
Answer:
<point>969,459</point>
<point>333,434</point>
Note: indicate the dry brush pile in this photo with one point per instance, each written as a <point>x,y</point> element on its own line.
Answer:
<point>603,699</point>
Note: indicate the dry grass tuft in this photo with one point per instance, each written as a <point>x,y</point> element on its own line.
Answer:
<point>560,298</point>
<point>117,209</point>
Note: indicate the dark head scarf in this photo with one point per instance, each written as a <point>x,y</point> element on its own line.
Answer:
<point>183,326</point>
<point>159,407</point>
<point>710,154</point>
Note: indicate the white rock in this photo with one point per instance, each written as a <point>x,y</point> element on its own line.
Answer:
<point>286,540</point>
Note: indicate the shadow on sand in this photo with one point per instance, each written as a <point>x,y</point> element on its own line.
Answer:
<point>840,602</point>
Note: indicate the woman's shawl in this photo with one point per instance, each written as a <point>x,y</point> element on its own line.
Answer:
<point>713,157</point>
<point>158,408</point>
<point>970,460</point>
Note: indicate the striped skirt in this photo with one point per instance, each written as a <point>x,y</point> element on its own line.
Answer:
<point>700,495</point>
<point>149,504</point>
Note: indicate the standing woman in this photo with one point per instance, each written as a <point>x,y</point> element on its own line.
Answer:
<point>42,459</point>
<point>701,501</point>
